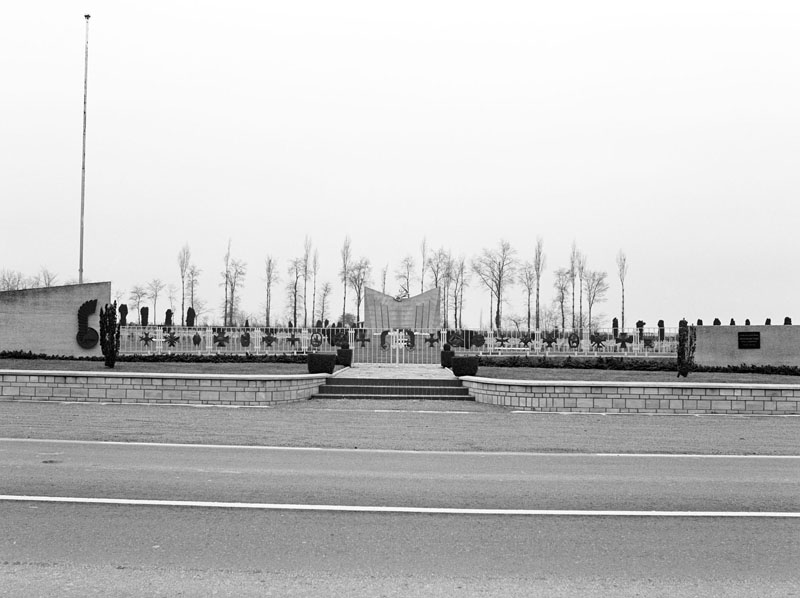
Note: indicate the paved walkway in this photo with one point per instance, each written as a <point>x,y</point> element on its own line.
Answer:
<point>402,371</point>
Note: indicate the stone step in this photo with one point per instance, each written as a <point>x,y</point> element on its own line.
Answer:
<point>385,397</point>
<point>380,389</point>
<point>395,382</point>
<point>448,389</point>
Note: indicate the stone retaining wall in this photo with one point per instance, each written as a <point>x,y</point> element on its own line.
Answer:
<point>636,397</point>
<point>195,389</point>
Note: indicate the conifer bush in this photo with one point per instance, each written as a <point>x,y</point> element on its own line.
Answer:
<point>109,334</point>
<point>683,348</point>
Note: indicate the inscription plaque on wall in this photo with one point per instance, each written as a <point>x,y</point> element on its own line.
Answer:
<point>749,340</point>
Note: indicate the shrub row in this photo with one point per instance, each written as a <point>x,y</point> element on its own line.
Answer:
<point>580,363</point>
<point>631,364</point>
<point>510,361</point>
<point>167,358</point>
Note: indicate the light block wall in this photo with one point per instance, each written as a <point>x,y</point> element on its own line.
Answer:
<point>46,320</point>
<point>719,346</point>
<point>622,397</point>
<point>173,389</point>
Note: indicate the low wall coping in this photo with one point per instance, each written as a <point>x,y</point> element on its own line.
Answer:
<point>607,384</point>
<point>179,376</point>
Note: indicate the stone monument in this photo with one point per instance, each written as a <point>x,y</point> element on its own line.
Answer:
<point>384,312</point>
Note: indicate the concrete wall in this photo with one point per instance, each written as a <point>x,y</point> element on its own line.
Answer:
<point>46,320</point>
<point>195,389</point>
<point>622,397</point>
<point>719,346</point>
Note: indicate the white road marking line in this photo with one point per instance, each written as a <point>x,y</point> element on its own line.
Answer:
<point>630,414</point>
<point>501,407</point>
<point>376,509</point>
<point>390,451</point>
<point>415,411</point>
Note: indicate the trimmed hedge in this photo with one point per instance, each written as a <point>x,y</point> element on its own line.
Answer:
<point>344,357</point>
<point>446,358</point>
<point>465,365</point>
<point>321,363</point>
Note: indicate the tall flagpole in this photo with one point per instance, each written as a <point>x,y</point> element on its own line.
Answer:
<point>83,157</point>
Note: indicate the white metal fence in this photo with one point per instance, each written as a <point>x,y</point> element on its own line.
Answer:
<point>394,346</point>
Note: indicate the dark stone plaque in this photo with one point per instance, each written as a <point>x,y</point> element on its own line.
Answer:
<point>749,340</point>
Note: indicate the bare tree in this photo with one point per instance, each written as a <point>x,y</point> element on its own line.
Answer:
<point>295,272</point>
<point>384,272</point>
<point>314,274</point>
<point>34,282</point>
<point>306,267</point>
<point>172,295</point>
<point>404,276</point>
<point>324,293</point>
<point>561,285</point>
<point>346,254</point>
<point>424,251</point>
<point>43,278</point>
<point>622,270</point>
<point>238,270</point>
<point>199,307</point>
<point>12,280</point>
<point>192,280</point>
<point>439,265</point>
<point>496,269</point>
<point>154,287</point>
<point>581,276</point>
<point>596,289</point>
<point>226,277</point>
<point>515,320</point>
<point>574,256</point>
<point>549,318</point>
<point>270,278</point>
<point>539,262</point>
<point>138,294</point>
<point>359,276</point>
<point>46,278</point>
<point>447,281</point>
<point>527,277</point>
<point>460,278</point>
<point>184,257</point>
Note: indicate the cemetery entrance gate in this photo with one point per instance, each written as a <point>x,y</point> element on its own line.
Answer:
<point>396,346</point>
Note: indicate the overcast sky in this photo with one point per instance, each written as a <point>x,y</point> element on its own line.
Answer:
<point>670,131</point>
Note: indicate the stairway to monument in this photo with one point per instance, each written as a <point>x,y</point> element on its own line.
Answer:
<point>394,388</point>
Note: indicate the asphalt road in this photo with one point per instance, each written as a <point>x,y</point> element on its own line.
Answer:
<point>467,480</point>
<point>79,549</point>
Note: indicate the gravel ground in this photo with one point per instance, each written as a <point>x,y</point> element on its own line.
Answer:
<point>403,425</point>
